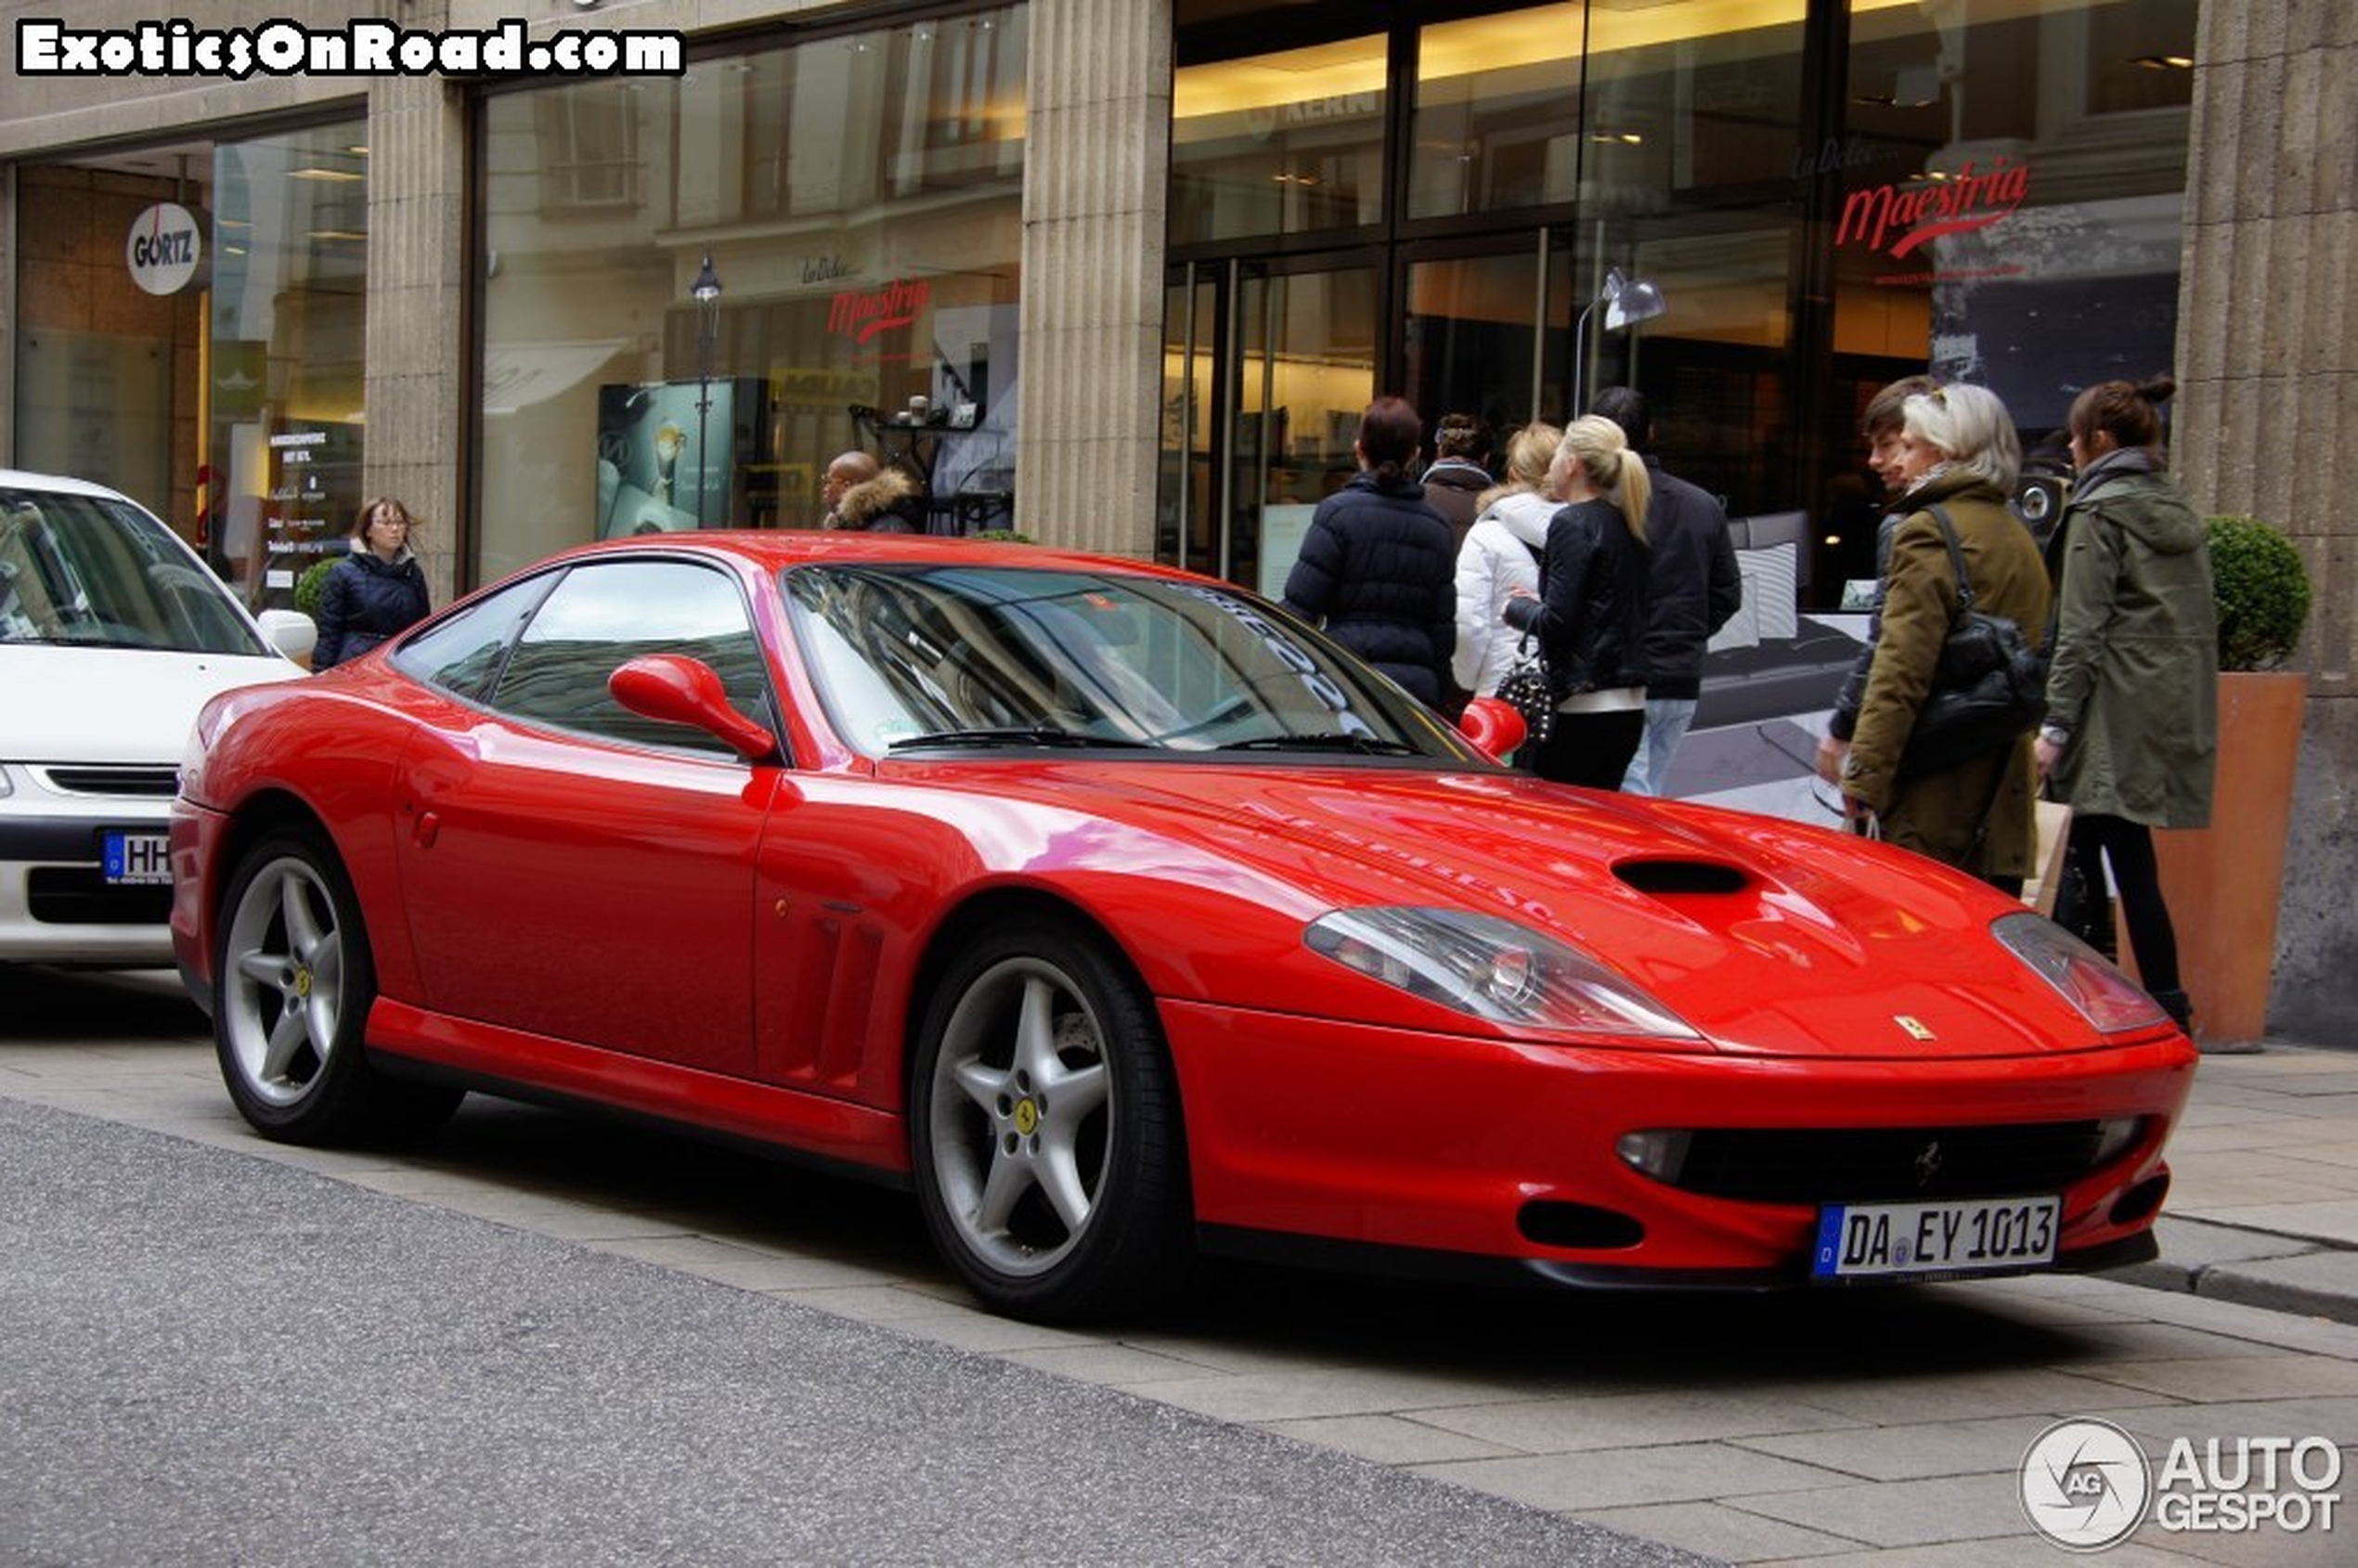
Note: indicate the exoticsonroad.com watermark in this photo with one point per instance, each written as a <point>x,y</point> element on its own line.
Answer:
<point>365,47</point>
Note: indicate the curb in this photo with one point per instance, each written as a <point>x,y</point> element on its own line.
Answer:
<point>2288,1274</point>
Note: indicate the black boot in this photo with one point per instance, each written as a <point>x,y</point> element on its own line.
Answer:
<point>2181,1011</point>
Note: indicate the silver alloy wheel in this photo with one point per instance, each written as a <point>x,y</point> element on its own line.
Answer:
<point>1020,1116</point>
<point>283,981</point>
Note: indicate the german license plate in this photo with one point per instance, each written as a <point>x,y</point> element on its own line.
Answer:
<point>133,858</point>
<point>1922,1240</point>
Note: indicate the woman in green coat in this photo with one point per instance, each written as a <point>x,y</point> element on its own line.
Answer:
<point>2132,735</point>
<point>1959,452</point>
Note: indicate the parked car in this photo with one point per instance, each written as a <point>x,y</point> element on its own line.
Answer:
<point>1120,914</point>
<point>112,634</point>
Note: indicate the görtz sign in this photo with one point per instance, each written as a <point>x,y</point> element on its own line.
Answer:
<point>161,249</point>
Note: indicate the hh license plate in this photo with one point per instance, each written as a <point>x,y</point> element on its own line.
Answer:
<point>1910,1240</point>
<point>138,857</point>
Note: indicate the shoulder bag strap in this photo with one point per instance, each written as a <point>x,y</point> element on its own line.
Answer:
<point>1956,556</point>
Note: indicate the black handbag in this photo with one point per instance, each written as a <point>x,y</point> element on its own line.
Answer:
<point>1989,690</point>
<point>1526,689</point>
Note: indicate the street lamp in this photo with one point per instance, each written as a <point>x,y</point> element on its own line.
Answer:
<point>705,291</point>
<point>1627,301</point>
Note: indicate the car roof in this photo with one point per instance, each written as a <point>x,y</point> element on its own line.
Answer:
<point>24,479</point>
<point>774,550</point>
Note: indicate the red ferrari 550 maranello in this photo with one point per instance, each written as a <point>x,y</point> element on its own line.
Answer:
<point>1120,913</point>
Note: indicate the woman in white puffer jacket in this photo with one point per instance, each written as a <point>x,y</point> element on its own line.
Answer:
<point>1501,552</point>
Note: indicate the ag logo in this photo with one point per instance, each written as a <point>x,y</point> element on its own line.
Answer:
<point>2085,1485</point>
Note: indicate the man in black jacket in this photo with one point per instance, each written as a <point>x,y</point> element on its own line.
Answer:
<point>1692,587</point>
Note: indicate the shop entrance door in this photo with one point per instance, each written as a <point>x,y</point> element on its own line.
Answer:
<point>1267,366</point>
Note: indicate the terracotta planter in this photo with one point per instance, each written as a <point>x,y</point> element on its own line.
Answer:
<point>2225,882</point>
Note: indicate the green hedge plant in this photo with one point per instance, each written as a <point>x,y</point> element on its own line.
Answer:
<point>313,583</point>
<point>2262,589</point>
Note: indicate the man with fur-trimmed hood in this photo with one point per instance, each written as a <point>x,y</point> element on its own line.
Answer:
<point>861,493</point>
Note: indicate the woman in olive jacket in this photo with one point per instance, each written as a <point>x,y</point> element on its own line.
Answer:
<point>2131,739</point>
<point>1959,451</point>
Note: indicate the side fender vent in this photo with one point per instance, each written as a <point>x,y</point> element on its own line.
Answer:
<point>1681,878</point>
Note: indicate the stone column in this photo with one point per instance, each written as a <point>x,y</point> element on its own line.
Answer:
<point>2267,411</point>
<point>418,421</point>
<point>1097,156</point>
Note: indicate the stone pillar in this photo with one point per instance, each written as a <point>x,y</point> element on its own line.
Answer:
<point>418,419</point>
<point>1096,158</point>
<point>2267,411</point>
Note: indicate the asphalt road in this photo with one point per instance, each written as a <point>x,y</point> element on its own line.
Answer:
<point>212,1358</point>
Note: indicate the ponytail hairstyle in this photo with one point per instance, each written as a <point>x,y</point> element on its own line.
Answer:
<point>1389,434</point>
<point>1597,445</point>
<point>2131,415</point>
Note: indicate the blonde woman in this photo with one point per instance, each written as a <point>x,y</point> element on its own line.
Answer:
<point>1502,553</point>
<point>1591,610</point>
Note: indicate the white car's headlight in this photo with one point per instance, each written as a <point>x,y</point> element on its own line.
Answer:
<point>1492,969</point>
<point>8,785</point>
<point>2104,996</point>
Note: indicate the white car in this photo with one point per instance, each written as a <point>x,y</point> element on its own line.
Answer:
<point>112,634</point>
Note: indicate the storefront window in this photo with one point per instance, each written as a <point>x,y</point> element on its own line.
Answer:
<point>1279,143</point>
<point>859,199</point>
<point>286,416</point>
<point>2012,183</point>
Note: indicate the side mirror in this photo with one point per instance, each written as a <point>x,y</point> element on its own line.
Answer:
<point>679,690</point>
<point>290,631</point>
<point>1494,727</point>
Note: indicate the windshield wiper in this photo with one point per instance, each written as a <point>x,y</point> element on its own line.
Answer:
<point>1329,740</point>
<point>1015,735</point>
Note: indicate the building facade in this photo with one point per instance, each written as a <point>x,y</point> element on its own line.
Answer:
<point>1121,272</point>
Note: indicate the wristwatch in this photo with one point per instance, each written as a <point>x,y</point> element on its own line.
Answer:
<point>2054,735</point>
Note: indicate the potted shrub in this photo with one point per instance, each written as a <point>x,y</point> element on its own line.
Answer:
<point>2225,882</point>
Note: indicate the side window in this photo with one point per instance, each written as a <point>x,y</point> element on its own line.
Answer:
<point>601,615</point>
<point>462,654</point>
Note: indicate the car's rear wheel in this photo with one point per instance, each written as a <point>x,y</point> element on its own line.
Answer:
<point>293,983</point>
<point>1051,1162</point>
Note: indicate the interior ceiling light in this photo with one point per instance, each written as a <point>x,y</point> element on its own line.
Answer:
<point>311,171</point>
<point>2164,62</point>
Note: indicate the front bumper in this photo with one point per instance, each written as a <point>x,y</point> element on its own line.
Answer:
<point>1360,1137</point>
<point>55,905</point>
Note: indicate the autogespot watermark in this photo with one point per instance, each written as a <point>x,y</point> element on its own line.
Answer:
<point>364,48</point>
<point>2087,1486</point>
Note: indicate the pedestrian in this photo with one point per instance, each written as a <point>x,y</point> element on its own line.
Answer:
<point>1692,587</point>
<point>2131,738</point>
<point>1959,453</point>
<point>1376,564</point>
<point>864,495</point>
<point>1502,553</point>
<point>1591,610</point>
<point>1455,483</point>
<point>1881,425</point>
<point>377,590</point>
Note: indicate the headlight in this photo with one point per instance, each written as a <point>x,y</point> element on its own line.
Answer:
<point>2103,994</point>
<point>1491,968</point>
<point>7,785</point>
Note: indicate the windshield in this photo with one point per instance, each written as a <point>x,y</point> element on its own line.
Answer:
<point>916,658</point>
<point>87,571</point>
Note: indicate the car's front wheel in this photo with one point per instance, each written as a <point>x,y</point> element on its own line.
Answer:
<point>294,983</point>
<point>1051,1162</point>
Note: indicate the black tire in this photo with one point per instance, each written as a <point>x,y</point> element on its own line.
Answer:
<point>293,985</point>
<point>1044,1126</point>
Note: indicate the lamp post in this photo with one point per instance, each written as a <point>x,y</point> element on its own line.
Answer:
<point>705,291</point>
<point>1627,301</point>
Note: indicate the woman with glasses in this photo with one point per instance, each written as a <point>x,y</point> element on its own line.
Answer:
<point>375,591</point>
<point>1957,460</point>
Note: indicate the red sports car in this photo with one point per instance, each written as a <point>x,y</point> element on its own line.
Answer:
<point>1120,914</point>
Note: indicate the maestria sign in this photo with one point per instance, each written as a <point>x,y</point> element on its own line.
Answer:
<point>1919,214</point>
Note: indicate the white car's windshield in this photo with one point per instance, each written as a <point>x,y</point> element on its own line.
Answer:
<point>914,658</point>
<point>89,572</point>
